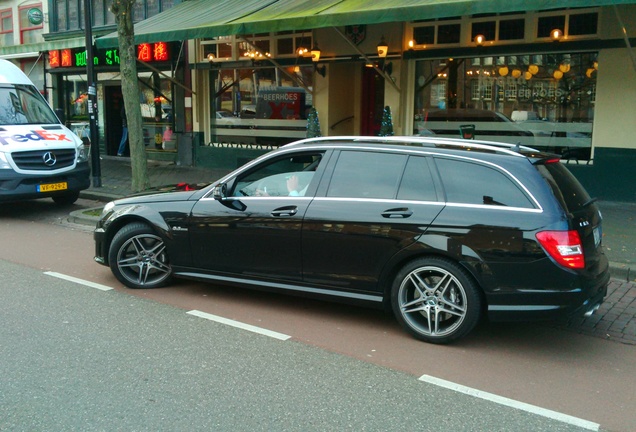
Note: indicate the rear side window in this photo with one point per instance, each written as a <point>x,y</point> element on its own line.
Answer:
<point>366,175</point>
<point>565,186</point>
<point>471,183</point>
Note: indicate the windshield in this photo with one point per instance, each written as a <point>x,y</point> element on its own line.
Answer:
<point>23,104</point>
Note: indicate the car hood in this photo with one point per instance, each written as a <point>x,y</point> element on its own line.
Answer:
<point>176,192</point>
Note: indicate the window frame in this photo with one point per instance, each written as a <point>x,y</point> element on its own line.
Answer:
<point>7,14</point>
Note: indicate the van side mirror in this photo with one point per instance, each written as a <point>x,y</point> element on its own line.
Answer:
<point>59,112</point>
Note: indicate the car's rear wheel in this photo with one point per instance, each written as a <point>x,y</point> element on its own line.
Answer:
<point>138,257</point>
<point>435,300</point>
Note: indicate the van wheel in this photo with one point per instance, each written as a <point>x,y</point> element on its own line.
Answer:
<point>66,198</point>
<point>435,300</point>
<point>138,257</point>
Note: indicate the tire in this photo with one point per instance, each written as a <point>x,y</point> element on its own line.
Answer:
<point>138,257</point>
<point>66,198</point>
<point>435,300</point>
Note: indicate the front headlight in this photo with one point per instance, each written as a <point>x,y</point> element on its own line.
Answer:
<point>83,151</point>
<point>108,207</point>
<point>4,163</point>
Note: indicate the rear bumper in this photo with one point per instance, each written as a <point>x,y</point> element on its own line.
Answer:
<point>16,187</point>
<point>549,304</point>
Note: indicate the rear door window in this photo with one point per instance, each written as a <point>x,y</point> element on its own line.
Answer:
<point>417,182</point>
<point>360,174</point>
<point>472,183</point>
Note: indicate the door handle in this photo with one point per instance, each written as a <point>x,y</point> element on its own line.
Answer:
<point>285,211</point>
<point>403,213</point>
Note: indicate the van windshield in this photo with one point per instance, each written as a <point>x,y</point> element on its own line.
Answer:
<point>23,104</point>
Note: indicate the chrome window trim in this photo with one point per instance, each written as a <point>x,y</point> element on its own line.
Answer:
<point>436,203</point>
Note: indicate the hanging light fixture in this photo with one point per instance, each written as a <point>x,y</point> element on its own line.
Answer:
<point>315,53</point>
<point>533,69</point>
<point>556,35</point>
<point>383,48</point>
<point>564,67</point>
<point>503,71</point>
<point>527,75</point>
<point>516,73</point>
<point>479,39</point>
<point>557,74</point>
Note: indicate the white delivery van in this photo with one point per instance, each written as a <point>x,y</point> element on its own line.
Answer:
<point>39,156</point>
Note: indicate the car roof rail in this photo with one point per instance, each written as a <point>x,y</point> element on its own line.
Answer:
<point>439,142</point>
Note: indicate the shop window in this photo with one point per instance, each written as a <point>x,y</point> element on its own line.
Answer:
<point>29,33</point>
<point>583,24</point>
<point>448,33</point>
<point>264,100</point>
<point>548,23</point>
<point>512,29</point>
<point>486,28</point>
<point>544,101</point>
<point>6,27</point>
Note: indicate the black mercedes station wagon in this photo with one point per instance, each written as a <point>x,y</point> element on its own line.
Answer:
<point>441,231</point>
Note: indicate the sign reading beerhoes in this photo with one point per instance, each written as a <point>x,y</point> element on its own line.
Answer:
<point>280,104</point>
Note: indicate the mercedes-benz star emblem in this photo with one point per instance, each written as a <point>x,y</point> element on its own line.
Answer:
<point>49,159</point>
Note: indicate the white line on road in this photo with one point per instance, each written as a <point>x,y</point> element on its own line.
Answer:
<point>511,403</point>
<point>240,325</point>
<point>79,281</point>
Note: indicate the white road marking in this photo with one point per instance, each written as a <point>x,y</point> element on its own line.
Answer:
<point>79,281</point>
<point>240,325</point>
<point>511,403</point>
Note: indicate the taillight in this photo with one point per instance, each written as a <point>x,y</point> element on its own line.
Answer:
<point>564,247</point>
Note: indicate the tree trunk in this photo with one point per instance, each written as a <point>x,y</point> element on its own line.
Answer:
<point>130,91</point>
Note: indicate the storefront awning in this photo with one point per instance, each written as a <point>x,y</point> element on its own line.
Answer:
<point>19,51</point>
<point>196,19</point>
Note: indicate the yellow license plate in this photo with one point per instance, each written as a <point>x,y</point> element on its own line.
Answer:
<point>52,187</point>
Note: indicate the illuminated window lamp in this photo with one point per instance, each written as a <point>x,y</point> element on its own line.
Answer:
<point>556,35</point>
<point>301,51</point>
<point>479,40</point>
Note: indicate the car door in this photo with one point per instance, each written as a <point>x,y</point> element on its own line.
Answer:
<point>373,205</point>
<point>254,232</point>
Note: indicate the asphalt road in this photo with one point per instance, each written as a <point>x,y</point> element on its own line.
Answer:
<point>76,358</point>
<point>135,360</point>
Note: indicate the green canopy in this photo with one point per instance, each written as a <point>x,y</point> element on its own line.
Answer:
<point>196,19</point>
<point>18,50</point>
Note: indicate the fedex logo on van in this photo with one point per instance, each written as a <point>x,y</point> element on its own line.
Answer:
<point>34,135</point>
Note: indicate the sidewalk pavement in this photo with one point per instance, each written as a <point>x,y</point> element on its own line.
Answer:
<point>616,318</point>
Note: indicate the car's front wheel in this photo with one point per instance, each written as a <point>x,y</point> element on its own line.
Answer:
<point>66,198</point>
<point>435,300</point>
<point>138,257</point>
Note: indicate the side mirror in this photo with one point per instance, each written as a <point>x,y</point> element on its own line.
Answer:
<point>219,191</point>
<point>60,115</point>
